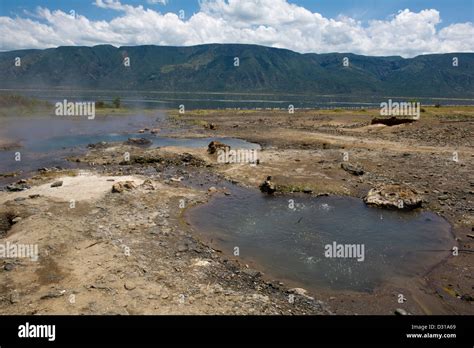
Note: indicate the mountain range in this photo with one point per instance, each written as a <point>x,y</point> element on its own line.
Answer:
<point>258,69</point>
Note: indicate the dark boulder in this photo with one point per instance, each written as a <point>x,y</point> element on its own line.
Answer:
<point>215,146</point>
<point>138,142</point>
<point>352,169</point>
<point>392,121</point>
<point>268,186</point>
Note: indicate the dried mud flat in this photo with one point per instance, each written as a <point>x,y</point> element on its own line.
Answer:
<point>132,252</point>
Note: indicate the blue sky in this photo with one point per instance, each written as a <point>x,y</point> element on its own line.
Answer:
<point>370,27</point>
<point>452,11</point>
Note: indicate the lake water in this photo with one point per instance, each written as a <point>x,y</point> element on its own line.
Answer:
<point>172,100</point>
<point>291,242</point>
<point>46,140</point>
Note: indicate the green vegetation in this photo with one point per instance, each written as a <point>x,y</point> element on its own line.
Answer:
<point>210,68</point>
<point>116,103</point>
<point>10,101</point>
<point>22,106</point>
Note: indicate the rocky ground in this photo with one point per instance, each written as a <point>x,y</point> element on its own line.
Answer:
<point>427,163</point>
<point>125,252</point>
<point>131,251</point>
<point>7,145</point>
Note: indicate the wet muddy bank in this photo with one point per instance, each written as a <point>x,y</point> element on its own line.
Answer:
<point>297,161</point>
<point>192,174</point>
<point>326,242</point>
<point>130,255</point>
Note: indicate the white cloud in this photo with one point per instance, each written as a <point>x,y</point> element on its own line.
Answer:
<point>161,2</point>
<point>275,23</point>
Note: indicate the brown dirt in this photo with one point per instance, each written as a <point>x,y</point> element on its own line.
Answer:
<point>434,156</point>
<point>83,267</point>
<point>124,253</point>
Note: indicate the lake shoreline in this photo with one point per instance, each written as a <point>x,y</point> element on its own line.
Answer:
<point>286,148</point>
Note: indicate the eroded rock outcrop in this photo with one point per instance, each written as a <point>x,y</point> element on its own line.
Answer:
<point>268,186</point>
<point>352,169</point>
<point>121,186</point>
<point>99,145</point>
<point>18,186</point>
<point>139,142</point>
<point>394,196</point>
<point>148,185</point>
<point>214,146</point>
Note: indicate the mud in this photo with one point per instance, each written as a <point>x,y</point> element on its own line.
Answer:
<point>135,253</point>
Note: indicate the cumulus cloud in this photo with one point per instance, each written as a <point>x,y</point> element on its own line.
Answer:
<point>161,2</point>
<point>275,23</point>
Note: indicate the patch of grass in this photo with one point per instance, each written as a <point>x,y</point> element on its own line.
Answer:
<point>12,100</point>
<point>295,188</point>
<point>57,174</point>
<point>173,115</point>
<point>111,110</point>
<point>6,222</point>
<point>22,106</point>
<point>201,123</point>
<point>9,175</point>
